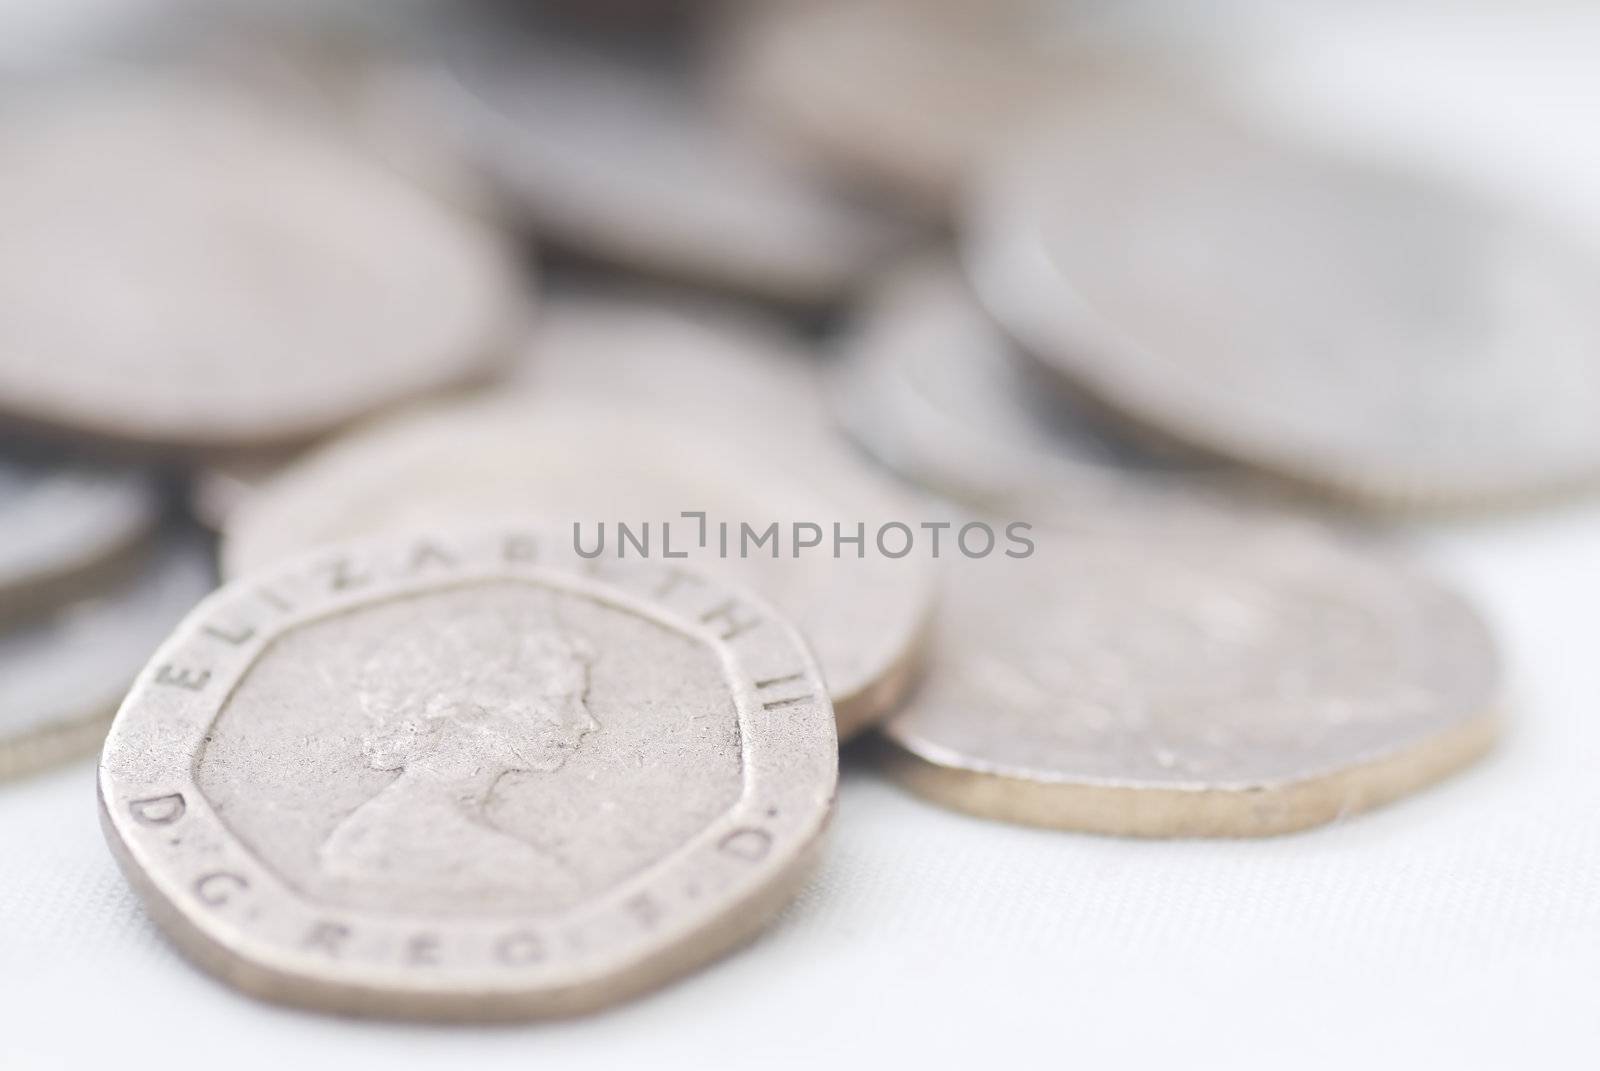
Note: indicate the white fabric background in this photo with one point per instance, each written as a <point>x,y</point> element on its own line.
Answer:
<point>1458,928</point>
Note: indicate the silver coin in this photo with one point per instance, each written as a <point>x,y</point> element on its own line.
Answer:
<point>469,777</point>
<point>63,673</point>
<point>226,482</point>
<point>1179,672</point>
<point>572,464</point>
<point>691,356</point>
<point>929,386</point>
<point>907,94</point>
<point>1380,339</point>
<point>694,357</point>
<point>620,162</point>
<point>65,526</point>
<point>270,285</point>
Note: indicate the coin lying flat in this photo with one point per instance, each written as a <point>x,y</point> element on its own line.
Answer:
<point>1193,674</point>
<point>907,94</point>
<point>577,466</point>
<point>225,483</point>
<point>469,777</point>
<point>1376,338</point>
<point>65,526</point>
<point>694,357</point>
<point>62,673</point>
<point>270,285</point>
<point>930,387</point>
<point>618,162</point>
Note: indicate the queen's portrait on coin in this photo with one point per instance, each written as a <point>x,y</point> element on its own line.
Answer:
<point>452,709</point>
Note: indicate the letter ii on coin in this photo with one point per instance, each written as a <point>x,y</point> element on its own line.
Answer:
<point>468,777</point>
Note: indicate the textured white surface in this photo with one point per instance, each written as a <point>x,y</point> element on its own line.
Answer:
<point>1459,928</point>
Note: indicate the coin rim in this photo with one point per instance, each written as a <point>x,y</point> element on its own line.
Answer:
<point>551,988</point>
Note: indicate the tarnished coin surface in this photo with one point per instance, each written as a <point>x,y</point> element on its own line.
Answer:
<point>1376,338</point>
<point>679,487</point>
<point>62,673</point>
<point>907,94</point>
<point>469,777</point>
<point>929,386</point>
<point>618,161</point>
<point>221,275</point>
<point>1193,674</point>
<point>64,525</point>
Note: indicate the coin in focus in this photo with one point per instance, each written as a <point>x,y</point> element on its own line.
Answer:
<point>613,158</point>
<point>469,777</point>
<point>1187,672</point>
<point>930,387</point>
<point>66,526</point>
<point>185,267</point>
<point>579,465</point>
<point>63,671</point>
<point>1380,339</point>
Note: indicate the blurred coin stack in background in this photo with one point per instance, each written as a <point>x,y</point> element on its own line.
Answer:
<point>280,277</point>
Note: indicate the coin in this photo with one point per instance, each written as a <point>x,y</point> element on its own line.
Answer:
<point>469,777</point>
<point>619,162</point>
<point>929,386</point>
<point>905,94</point>
<point>226,482</point>
<point>578,466</point>
<point>673,351</point>
<point>1381,339</point>
<point>63,672</point>
<point>67,525</point>
<point>270,285</point>
<point>645,346</point>
<point>1185,672</point>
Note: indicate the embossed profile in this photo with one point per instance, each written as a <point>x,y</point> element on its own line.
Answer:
<point>451,708</point>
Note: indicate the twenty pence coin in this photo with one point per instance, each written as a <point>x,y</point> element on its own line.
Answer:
<point>1189,672</point>
<point>467,777</point>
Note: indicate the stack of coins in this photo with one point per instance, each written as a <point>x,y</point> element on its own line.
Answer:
<point>600,413</point>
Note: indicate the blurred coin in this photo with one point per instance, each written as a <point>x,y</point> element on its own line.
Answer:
<point>571,463</point>
<point>929,386</point>
<point>225,483</point>
<point>1184,672</point>
<point>62,673</point>
<point>696,357</point>
<point>469,777</point>
<point>907,94</point>
<point>1380,339</point>
<point>64,526</point>
<point>613,158</point>
<point>184,267</point>
<point>383,102</point>
<point>692,356</point>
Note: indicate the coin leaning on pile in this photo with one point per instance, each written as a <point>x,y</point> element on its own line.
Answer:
<point>272,284</point>
<point>469,776</point>
<point>1385,341</point>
